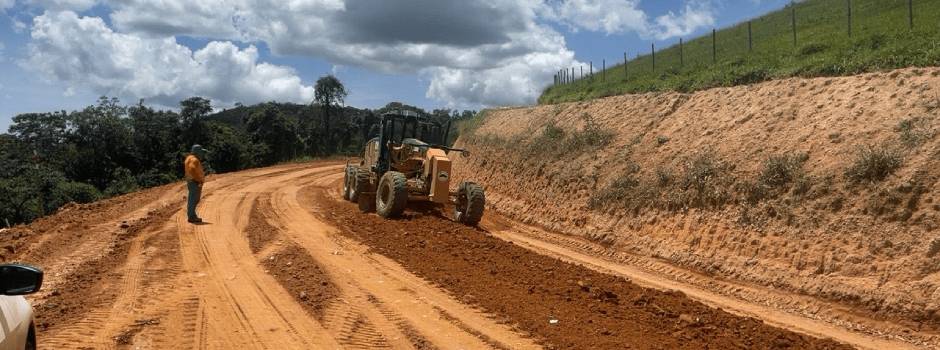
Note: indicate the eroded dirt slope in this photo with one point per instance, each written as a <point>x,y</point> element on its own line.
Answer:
<point>757,184</point>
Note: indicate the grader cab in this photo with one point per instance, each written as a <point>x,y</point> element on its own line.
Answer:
<point>409,162</point>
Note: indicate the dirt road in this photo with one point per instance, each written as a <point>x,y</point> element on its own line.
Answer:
<point>283,263</point>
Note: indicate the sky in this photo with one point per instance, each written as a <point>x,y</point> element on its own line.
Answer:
<point>63,54</point>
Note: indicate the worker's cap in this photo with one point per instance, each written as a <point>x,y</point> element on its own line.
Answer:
<point>198,149</point>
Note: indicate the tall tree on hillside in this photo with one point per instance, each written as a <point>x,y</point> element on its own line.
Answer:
<point>192,112</point>
<point>157,143</point>
<point>43,133</point>
<point>230,148</point>
<point>329,93</point>
<point>274,136</point>
<point>101,144</point>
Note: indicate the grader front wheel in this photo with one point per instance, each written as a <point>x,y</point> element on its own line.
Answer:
<point>392,195</point>
<point>470,203</point>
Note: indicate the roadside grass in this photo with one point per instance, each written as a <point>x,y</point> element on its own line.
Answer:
<point>881,39</point>
<point>555,142</point>
<point>874,163</point>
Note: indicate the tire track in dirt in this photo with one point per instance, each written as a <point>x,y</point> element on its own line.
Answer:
<point>230,280</point>
<point>799,313</point>
<point>75,309</point>
<point>400,305</point>
<point>123,291</point>
<point>300,274</point>
<point>593,310</point>
<point>115,273</point>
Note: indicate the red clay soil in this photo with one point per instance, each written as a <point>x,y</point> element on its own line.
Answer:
<point>69,225</point>
<point>593,310</point>
<point>297,272</point>
<point>291,265</point>
<point>260,231</point>
<point>96,282</point>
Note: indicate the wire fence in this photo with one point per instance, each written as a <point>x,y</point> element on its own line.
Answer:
<point>804,27</point>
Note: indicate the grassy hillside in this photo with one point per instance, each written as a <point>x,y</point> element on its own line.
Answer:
<point>881,39</point>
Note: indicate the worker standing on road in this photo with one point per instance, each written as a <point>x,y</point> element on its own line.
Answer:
<point>195,177</point>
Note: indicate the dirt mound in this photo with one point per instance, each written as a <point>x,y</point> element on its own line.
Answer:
<point>260,231</point>
<point>826,187</point>
<point>303,277</point>
<point>44,238</point>
<point>565,305</point>
<point>290,264</point>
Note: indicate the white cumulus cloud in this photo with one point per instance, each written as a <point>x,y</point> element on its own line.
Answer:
<point>621,16</point>
<point>452,43</point>
<point>85,52</point>
<point>482,52</point>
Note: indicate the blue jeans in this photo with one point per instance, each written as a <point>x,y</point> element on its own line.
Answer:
<point>195,191</point>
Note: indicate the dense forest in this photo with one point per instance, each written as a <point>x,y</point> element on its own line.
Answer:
<point>50,159</point>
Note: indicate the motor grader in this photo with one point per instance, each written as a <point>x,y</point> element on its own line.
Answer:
<point>408,162</point>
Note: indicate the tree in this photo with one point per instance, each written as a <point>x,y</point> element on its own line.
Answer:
<point>156,140</point>
<point>274,136</point>
<point>192,111</point>
<point>100,142</point>
<point>43,133</point>
<point>328,93</point>
<point>230,148</point>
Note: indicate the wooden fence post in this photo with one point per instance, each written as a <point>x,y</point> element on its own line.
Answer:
<point>750,37</point>
<point>591,72</point>
<point>653,54</point>
<point>681,55</point>
<point>714,46</point>
<point>848,8</point>
<point>604,70</point>
<point>625,75</point>
<point>793,20</point>
<point>910,14</point>
<point>581,74</point>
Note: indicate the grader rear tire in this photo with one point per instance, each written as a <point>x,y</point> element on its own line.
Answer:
<point>353,183</point>
<point>391,196</point>
<point>470,204</point>
<point>347,182</point>
<point>363,185</point>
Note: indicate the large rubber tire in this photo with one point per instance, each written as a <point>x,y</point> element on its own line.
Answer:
<point>354,185</point>
<point>347,183</point>
<point>31,338</point>
<point>470,203</point>
<point>391,196</point>
<point>363,185</point>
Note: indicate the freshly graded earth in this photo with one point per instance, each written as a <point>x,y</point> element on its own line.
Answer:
<point>814,197</point>
<point>566,305</point>
<point>282,262</point>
